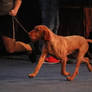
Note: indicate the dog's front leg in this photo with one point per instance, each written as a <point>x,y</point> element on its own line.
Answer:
<point>63,63</point>
<point>40,62</point>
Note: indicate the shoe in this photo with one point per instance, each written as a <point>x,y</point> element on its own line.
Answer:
<point>51,60</point>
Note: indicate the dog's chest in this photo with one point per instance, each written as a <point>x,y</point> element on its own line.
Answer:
<point>50,48</point>
<point>55,49</point>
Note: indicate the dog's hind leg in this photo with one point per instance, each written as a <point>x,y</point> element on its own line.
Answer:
<point>80,58</point>
<point>86,60</point>
<point>75,72</point>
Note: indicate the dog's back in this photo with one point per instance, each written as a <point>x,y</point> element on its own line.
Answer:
<point>75,42</point>
<point>60,45</point>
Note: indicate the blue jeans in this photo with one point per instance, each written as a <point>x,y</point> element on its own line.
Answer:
<point>50,14</point>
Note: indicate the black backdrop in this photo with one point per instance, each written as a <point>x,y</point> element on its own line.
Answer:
<point>71,17</point>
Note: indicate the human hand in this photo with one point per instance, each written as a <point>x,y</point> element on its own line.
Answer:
<point>13,12</point>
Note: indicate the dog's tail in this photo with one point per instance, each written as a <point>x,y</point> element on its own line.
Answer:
<point>89,40</point>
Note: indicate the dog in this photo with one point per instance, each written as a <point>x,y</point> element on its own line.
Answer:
<point>60,47</point>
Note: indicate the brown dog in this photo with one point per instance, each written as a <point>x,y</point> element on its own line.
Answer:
<point>60,47</point>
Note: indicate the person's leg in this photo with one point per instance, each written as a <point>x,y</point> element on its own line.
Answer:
<point>11,45</point>
<point>50,14</point>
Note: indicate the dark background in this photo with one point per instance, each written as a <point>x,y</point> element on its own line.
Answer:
<point>71,17</point>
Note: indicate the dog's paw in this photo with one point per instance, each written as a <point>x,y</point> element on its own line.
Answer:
<point>31,75</point>
<point>66,73</point>
<point>69,78</point>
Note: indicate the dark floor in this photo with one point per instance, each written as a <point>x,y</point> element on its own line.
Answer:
<point>14,71</point>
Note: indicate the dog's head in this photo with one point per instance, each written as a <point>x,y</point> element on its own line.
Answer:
<point>39,32</point>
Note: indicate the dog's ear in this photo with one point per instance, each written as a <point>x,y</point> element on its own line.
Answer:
<point>46,35</point>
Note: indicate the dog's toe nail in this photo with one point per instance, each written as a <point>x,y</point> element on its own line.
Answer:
<point>31,75</point>
<point>69,78</point>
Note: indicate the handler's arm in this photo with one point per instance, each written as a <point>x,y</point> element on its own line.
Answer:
<point>17,5</point>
